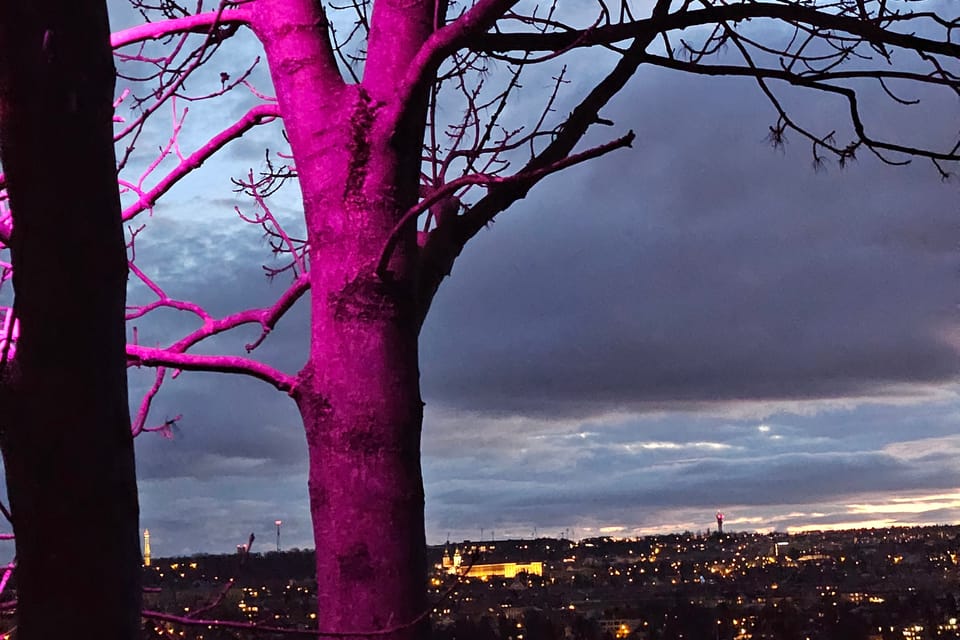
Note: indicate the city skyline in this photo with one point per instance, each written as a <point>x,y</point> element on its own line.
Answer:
<point>263,543</point>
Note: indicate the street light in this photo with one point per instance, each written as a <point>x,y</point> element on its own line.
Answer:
<point>278,523</point>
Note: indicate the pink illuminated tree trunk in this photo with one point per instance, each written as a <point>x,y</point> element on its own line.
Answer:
<point>363,417</point>
<point>358,394</point>
<point>66,438</point>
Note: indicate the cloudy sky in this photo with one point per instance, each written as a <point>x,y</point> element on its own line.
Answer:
<point>701,322</point>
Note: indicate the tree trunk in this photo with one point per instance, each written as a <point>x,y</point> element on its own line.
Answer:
<point>66,441</point>
<point>366,488</point>
<point>359,394</point>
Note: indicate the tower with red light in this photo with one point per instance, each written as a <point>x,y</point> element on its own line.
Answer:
<point>719,523</point>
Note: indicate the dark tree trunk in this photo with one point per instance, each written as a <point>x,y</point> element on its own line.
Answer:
<point>65,422</point>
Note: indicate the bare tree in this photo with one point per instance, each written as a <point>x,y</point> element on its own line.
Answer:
<point>392,189</point>
<point>64,420</point>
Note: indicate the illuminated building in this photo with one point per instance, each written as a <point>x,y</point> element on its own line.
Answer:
<point>490,570</point>
<point>913,632</point>
<point>719,523</point>
<point>447,561</point>
<point>504,570</point>
<point>619,628</point>
<point>146,547</point>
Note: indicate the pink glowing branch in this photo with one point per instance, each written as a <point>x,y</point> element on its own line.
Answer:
<point>173,77</point>
<point>9,333</point>
<point>253,626</point>
<point>260,114</point>
<point>156,357</point>
<point>200,23</point>
<point>139,422</point>
<point>280,241</point>
<point>7,571</point>
<point>6,218</point>
<point>266,317</point>
<point>6,270</point>
<point>269,317</point>
<point>230,624</point>
<point>175,356</point>
<point>162,299</point>
<point>222,595</point>
<point>166,149</point>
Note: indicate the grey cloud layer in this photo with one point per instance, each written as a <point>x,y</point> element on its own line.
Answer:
<point>702,265</point>
<point>637,472</point>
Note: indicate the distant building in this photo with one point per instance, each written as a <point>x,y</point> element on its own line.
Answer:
<point>455,566</point>
<point>622,627</point>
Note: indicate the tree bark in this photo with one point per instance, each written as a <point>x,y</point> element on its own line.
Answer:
<point>366,490</point>
<point>359,393</point>
<point>64,421</point>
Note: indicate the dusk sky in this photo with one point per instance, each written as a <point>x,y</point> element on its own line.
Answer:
<point>699,323</point>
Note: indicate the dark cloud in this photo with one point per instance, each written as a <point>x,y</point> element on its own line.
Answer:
<point>702,265</point>
<point>257,433</point>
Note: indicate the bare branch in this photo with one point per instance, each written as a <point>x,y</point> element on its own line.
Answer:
<point>818,80</point>
<point>156,357</point>
<point>7,571</point>
<point>529,177</point>
<point>270,316</point>
<point>869,30</point>
<point>162,299</point>
<point>441,249</point>
<point>231,624</point>
<point>6,513</point>
<point>259,114</point>
<point>279,240</point>
<point>221,596</point>
<point>175,355</point>
<point>171,72</point>
<point>200,23</point>
<point>139,422</point>
<point>566,138</point>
